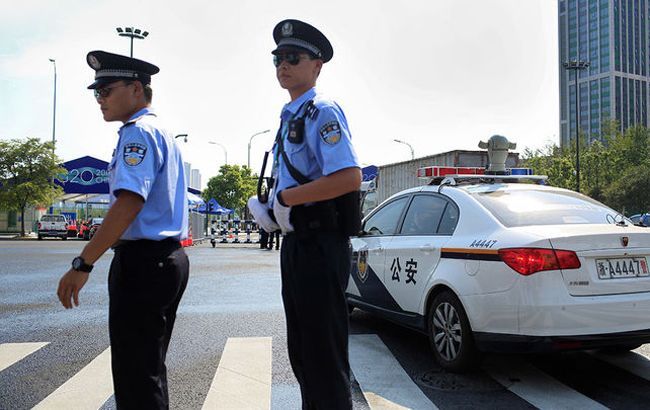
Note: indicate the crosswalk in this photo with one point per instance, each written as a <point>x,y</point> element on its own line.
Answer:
<point>243,378</point>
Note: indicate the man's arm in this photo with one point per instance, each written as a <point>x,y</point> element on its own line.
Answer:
<point>121,214</point>
<point>326,187</point>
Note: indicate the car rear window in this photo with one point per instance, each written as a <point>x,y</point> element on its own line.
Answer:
<point>525,207</point>
<point>52,218</point>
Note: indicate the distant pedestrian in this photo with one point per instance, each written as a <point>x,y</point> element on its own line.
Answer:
<point>264,238</point>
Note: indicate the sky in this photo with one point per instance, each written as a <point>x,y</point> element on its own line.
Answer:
<point>438,74</point>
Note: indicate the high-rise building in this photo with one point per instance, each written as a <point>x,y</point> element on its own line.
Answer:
<point>612,35</point>
<point>187,167</point>
<point>195,181</point>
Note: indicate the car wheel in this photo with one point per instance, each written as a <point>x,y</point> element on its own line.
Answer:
<point>450,335</point>
<point>40,237</point>
<point>64,237</point>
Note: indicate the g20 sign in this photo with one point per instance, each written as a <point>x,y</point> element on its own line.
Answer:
<point>84,176</point>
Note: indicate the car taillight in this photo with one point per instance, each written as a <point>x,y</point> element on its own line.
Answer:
<point>527,261</point>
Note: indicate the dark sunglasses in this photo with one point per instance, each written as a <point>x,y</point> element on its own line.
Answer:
<point>104,92</point>
<point>291,58</point>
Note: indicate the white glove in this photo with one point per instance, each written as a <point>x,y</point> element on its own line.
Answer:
<point>261,215</point>
<point>282,216</point>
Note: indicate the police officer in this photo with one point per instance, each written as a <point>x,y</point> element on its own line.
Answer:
<point>145,223</point>
<point>315,164</point>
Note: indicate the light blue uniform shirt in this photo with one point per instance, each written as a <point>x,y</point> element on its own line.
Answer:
<point>326,146</point>
<point>147,162</point>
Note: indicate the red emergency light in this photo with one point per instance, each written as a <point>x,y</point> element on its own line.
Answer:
<point>438,171</point>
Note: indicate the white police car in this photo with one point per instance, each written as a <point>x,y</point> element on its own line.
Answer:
<point>487,263</point>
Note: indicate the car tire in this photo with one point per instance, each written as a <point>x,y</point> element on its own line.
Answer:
<point>64,237</point>
<point>40,237</point>
<point>450,334</point>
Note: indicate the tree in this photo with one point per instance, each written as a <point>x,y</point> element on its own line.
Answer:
<point>27,170</point>
<point>630,192</point>
<point>232,187</point>
<point>614,170</point>
<point>554,162</point>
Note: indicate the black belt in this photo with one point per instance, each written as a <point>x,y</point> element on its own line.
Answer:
<point>317,218</point>
<point>144,244</point>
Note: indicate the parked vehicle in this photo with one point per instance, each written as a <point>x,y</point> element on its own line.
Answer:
<point>72,228</point>
<point>93,225</point>
<point>52,225</point>
<point>486,263</point>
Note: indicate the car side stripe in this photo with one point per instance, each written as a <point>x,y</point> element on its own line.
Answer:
<point>473,254</point>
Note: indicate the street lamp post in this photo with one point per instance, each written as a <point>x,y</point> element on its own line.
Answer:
<point>54,108</point>
<point>132,33</point>
<point>184,136</point>
<point>249,145</point>
<point>224,149</point>
<point>407,144</point>
<point>577,65</point>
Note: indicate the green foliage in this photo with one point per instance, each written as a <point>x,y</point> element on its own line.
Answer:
<point>232,187</point>
<point>615,171</point>
<point>27,169</point>
<point>630,192</point>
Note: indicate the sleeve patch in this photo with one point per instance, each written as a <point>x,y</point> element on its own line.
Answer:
<point>134,154</point>
<point>330,132</point>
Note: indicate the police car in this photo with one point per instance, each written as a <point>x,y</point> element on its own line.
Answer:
<point>492,263</point>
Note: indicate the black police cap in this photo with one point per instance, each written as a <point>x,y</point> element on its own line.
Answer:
<point>296,34</point>
<point>111,67</point>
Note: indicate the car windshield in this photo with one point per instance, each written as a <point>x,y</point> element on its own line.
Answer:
<point>52,218</point>
<point>525,207</point>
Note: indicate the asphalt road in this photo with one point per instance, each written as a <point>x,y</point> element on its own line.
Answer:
<point>234,292</point>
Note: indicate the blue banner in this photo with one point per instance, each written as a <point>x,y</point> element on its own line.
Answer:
<point>86,175</point>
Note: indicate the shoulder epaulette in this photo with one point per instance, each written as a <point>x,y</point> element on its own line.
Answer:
<point>311,111</point>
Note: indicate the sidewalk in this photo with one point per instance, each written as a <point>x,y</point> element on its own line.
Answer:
<point>6,236</point>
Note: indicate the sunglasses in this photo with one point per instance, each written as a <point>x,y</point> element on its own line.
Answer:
<point>104,92</point>
<point>291,58</point>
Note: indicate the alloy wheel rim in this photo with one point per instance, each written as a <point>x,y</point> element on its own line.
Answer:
<point>447,331</point>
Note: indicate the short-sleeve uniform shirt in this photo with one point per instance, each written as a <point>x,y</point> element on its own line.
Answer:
<point>327,146</point>
<point>148,163</point>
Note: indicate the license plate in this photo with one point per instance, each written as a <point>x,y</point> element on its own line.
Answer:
<point>622,268</point>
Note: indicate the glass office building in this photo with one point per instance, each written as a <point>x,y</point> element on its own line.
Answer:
<point>612,35</point>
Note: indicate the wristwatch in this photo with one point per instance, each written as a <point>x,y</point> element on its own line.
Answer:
<point>80,264</point>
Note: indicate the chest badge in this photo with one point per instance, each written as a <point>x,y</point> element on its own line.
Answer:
<point>134,154</point>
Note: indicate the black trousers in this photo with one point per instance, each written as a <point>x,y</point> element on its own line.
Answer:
<point>145,285</point>
<point>315,273</point>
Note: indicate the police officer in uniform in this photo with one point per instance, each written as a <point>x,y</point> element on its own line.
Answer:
<point>315,164</point>
<point>144,225</point>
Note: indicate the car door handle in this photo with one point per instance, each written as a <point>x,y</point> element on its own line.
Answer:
<point>378,249</point>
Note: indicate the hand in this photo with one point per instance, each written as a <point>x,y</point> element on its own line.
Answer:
<point>260,212</point>
<point>282,215</point>
<point>69,287</point>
